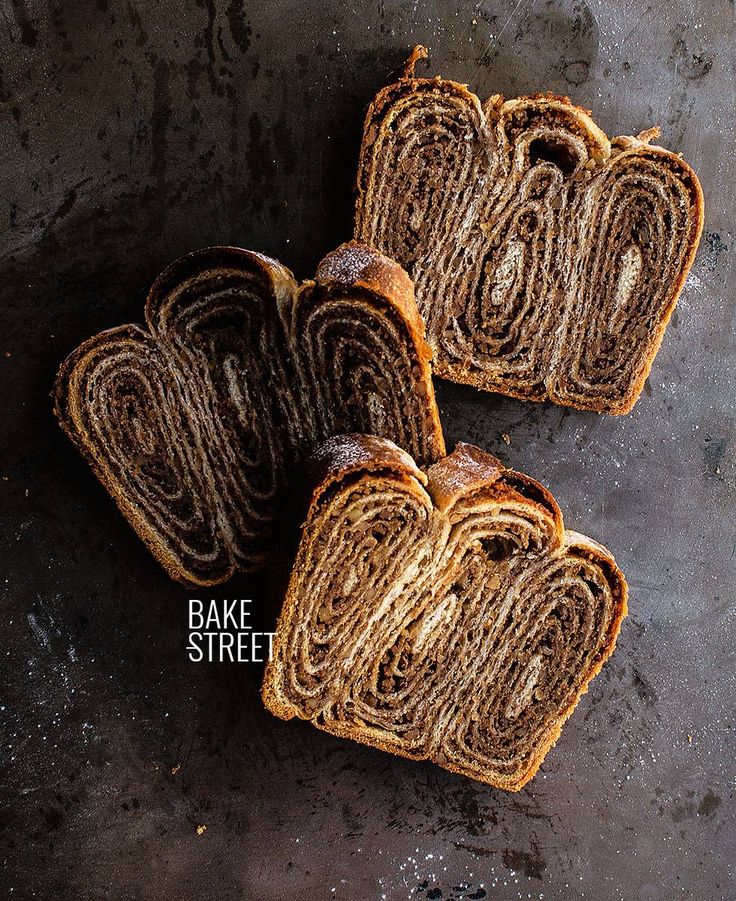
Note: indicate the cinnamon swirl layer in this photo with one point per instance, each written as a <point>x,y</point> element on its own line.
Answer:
<point>450,618</point>
<point>547,259</point>
<point>195,425</point>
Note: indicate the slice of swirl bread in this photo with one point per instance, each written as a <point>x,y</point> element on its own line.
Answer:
<point>194,424</point>
<point>446,616</point>
<point>547,259</point>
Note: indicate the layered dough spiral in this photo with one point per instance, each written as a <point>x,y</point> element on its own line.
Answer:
<point>547,259</point>
<point>195,424</point>
<point>446,616</point>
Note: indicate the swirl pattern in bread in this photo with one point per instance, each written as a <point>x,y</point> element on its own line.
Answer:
<point>547,258</point>
<point>194,424</point>
<point>446,616</point>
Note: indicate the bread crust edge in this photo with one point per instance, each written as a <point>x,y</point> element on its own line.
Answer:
<point>459,373</point>
<point>333,471</point>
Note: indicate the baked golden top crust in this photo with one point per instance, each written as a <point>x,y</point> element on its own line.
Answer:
<point>547,258</point>
<point>195,423</point>
<point>445,615</point>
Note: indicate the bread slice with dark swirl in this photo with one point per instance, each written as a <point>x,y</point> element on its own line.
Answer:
<point>444,616</point>
<point>547,259</point>
<point>194,424</point>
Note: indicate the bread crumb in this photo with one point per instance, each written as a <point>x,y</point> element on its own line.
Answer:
<point>690,739</point>
<point>175,769</point>
<point>201,830</point>
<point>506,438</point>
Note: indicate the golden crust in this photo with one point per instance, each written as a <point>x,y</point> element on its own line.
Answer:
<point>350,267</point>
<point>68,402</point>
<point>627,404</point>
<point>462,474</point>
<point>358,266</point>
<point>604,152</point>
<point>337,457</point>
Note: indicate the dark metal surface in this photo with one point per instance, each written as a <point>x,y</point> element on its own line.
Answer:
<point>135,131</point>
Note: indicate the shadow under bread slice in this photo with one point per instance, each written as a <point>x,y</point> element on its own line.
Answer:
<point>194,423</point>
<point>442,615</point>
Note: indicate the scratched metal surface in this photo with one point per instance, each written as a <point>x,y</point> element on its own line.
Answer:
<point>134,132</point>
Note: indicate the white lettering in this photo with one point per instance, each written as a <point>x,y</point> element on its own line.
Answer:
<point>213,617</point>
<point>221,633</point>
<point>196,620</point>
<point>226,644</point>
<point>195,652</point>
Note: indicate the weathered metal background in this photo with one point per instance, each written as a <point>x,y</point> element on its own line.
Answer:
<point>134,132</point>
